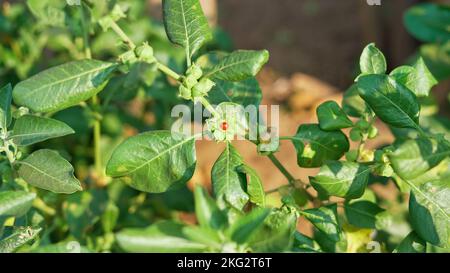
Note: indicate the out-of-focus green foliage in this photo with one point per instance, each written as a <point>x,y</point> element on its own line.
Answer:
<point>88,164</point>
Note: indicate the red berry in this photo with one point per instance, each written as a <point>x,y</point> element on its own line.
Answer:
<point>224,125</point>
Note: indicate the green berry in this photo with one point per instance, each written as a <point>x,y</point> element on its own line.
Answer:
<point>355,134</point>
<point>362,124</point>
<point>373,132</point>
<point>352,155</point>
<point>379,155</point>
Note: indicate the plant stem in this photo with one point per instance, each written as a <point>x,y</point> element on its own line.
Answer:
<point>123,35</point>
<point>208,106</point>
<point>131,45</point>
<point>9,154</point>
<point>97,126</point>
<point>169,72</point>
<point>97,139</point>
<point>87,47</point>
<point>282,169</point>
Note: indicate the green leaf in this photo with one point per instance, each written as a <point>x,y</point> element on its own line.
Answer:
<point>162,237</point>
<point>243,229</point>
<point>392,102</point>
<point>49,12</point>
<point>228,184</point>
<point>207,212</point>
<point>413,158</point>
<point>5,106</point>
<point>315,146</point>
<point>277,233</point>
<point>429,22</point>
<point>328,245</point>
<point>325,220</point>
<point>18,239</point>
<point>154,161</point>
<point>372,61</point>
<point>62,247</point>
<point>437,58</point>
<point>429,210</point>
<point>47,170</point>
<point>109,217</point>
<point>15,203</point>
<point>363,214</point>
<point>343,179</point>
<point>205,236</point>
<point>418,78</point>
<point>63,86</point>
<point>353,105</point>
<point>255,189</point>
<point>411,244</point>
<point>332,117</point>
<point>238,65</point>
<point>305,244</point>
<point>186,24</point>
<point>246,92</point>
<point>30,129</point>
<point>82,210</point>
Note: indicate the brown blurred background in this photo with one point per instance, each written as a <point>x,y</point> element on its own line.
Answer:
<point>322,38</point>
<point>315,47</point>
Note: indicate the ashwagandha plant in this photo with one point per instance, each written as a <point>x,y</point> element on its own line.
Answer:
<point>347,216</point>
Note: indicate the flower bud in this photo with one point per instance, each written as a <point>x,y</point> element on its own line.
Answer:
<point>373,132</point>
<point>117,13</point>
<point>352,155</point>
<point>185,92</point>
<point>362,124</point>
<point>202,88</point>
<point>190,81</point>
<point>145,53</point>
<point>195,71</point>
<point>355,134</point>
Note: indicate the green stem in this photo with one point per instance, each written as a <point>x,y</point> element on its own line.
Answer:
<point>290,177</point>
<point>276,189</point>
<point>131,45</point>
<point>123,35</point>
<point>87,47</point>
<point>97,126</point>
<point>9,154</point>
<point>169,72</point>
<point>97,140</point>
<point>208,106</point>
<point>282,169</point>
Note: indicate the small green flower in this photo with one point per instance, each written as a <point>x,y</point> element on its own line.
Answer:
<point>202,88</point>
<point>145,53</point>
<point>185,92</point>
<point>194,71</point>
<point>229,122</point>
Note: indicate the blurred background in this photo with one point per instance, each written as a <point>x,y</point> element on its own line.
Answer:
<point>314,53</point>
<point>314,47</point>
